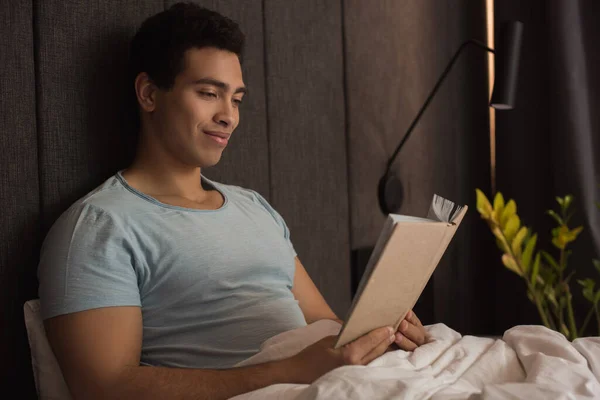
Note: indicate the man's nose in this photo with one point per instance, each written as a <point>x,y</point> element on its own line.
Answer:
<point>226,115</point>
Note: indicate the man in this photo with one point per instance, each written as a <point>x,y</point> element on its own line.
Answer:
<point>157,283</point>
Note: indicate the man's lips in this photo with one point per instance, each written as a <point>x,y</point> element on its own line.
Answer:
<point>221,138</point>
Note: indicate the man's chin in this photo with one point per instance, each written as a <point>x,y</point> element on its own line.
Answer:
<point>207,162</point>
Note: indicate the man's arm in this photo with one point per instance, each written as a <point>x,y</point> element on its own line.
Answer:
<point>313,305</point>
<point>99,353</point>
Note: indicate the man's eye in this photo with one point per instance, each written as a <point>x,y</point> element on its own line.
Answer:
<point>237,101</point>
<point>207,94</point>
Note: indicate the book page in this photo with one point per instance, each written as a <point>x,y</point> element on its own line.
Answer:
<point>442,209</point>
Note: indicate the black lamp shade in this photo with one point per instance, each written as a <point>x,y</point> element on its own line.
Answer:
<point>506,60</point>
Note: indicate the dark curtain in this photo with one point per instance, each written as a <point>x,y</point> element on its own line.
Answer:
<point>549,145</point>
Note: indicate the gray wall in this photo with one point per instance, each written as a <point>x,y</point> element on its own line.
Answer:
<point>395,52</point>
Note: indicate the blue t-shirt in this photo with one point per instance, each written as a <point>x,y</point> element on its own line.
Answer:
<point>212,285</point>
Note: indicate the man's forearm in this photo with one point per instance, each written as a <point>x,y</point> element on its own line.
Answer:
<point>179,383</point>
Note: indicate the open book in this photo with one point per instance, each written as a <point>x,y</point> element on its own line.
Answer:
<point>406,254</point>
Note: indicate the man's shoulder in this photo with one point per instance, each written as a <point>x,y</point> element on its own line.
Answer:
<point>101,210</point>
<point>110,198</point>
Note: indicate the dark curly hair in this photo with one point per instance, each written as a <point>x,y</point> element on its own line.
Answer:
<point>160,43</point>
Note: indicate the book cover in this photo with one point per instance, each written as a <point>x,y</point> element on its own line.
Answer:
<point>406,253</point>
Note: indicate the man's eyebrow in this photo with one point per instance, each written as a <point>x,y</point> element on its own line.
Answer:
<point>219,84</point>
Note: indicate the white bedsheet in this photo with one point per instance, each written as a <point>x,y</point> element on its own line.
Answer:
<point>530,362</point>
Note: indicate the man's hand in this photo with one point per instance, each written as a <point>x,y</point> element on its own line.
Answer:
<point>320,358</point>
<point>411,333</point>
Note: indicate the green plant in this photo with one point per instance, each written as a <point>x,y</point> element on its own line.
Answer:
<point>547,277</point>
<point>593,296</point>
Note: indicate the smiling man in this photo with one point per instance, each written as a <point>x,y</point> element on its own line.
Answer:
<point>158,282</point>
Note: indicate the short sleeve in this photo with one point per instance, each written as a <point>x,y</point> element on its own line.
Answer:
<point>86,263</point>
<point>278,219</point>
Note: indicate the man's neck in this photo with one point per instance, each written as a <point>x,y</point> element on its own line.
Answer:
<point>157,174</point>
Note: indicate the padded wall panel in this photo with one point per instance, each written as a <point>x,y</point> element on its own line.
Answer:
<point>84,104</point>
<point>305,97</point>
<point>19,201</point>
<point>245,161</point>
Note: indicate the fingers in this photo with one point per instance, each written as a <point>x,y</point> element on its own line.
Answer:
<point>412,318</point>
<point>379,350</point>
<point>369,346</point>
<point>404,343</point>
<point>414,333</point>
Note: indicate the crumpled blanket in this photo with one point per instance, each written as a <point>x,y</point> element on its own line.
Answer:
<point>529,362</point>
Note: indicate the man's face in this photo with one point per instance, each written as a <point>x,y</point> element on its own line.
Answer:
<point>196,117</point>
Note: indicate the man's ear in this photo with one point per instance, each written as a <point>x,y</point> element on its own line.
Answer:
<point>145,91</point>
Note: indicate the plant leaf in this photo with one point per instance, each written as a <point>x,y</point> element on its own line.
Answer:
<point>587,282</point>
<point>528,253</point>
<point>510,263</point>
<point>483,204</point>
<point>556,217</point>
<point>588,288</point>
<point>529,234</point>
<point>498,203</point>
<point>509,210</point>
<point>597,265</point>
<point>550,295</point>
<point>517,242</point>
<point>536,268</point>
<point>567,202</point>
<point>530,296</point>
<point>550,260</point>
<point>512,226</point>
<point>548,275</point>
<point>500,244</point>
<point>573,233</point>
<point>562,302</point>
<point>560,236</point>
<point>556,231</point>
<point>564,236</point>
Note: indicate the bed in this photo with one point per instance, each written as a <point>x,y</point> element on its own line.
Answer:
<point>528,362</point>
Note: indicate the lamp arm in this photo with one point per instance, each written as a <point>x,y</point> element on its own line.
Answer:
<point>432,94</point>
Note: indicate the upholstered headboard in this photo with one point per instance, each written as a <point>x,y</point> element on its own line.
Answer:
<point>332,86</point>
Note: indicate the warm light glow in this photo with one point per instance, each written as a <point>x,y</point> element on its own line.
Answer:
<point>489,12</point>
